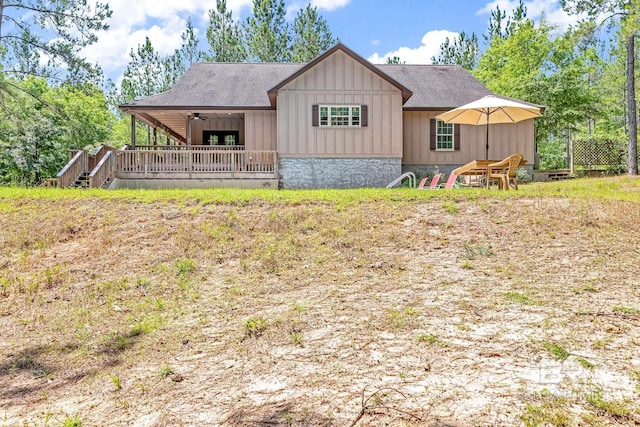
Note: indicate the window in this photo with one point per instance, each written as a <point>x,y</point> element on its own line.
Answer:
<point>340,115</point>
<point>221,137</point>
<point>444,136</point>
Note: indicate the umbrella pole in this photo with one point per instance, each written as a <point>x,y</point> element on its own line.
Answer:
<point>487,140</point>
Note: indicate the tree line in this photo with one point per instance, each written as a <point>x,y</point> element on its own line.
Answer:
<point>585,76</point>
<point>52,100</point>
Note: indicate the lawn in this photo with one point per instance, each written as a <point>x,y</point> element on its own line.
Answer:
<point>333,308</point>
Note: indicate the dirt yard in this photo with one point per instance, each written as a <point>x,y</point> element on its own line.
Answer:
<point>442,312</point>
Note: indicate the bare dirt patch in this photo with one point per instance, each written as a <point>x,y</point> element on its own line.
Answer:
<point>447,313</point>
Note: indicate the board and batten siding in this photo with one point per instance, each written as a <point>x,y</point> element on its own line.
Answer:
<point>504,140</point>
<point>339,80</point>
<point>260,130</point>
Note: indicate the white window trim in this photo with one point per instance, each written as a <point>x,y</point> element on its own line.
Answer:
<point>452,134</point>
<point>329,106</point>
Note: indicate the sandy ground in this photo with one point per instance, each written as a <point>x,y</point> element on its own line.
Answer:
<point>490,313</point>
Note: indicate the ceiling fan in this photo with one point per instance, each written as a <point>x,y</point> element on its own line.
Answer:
<point>197,116</point>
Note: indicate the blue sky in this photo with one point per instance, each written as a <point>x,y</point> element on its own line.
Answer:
<point>376,29</point>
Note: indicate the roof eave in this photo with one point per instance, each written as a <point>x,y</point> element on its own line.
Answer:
<point>126,108</point>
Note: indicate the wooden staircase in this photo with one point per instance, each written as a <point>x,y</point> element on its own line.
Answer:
<point>82,181</point>
<point>86,170</point>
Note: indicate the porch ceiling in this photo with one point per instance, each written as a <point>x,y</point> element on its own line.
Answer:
<point>176,120</point>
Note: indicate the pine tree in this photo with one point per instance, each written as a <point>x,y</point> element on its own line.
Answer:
<point>55,30</point>
<point>463,51</point>
<point>311,35</point>
<point>223,36</point>
<point>267,33</point>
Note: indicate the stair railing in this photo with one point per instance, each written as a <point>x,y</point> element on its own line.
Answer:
<point>103,172</point>
<point>76,167</point>
<point>410,176</point>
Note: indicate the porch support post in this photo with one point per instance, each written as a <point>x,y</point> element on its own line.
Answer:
<point>133,131</point>
<point>189,154</point>
<point>189,130</point>
<point>155,136</point>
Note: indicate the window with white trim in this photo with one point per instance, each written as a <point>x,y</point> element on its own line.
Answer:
<point>444,136</point>
<point>340,115</point>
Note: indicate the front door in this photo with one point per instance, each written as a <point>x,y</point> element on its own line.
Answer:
<point>220,137</point>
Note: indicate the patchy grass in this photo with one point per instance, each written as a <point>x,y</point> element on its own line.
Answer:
<point>400,307</point>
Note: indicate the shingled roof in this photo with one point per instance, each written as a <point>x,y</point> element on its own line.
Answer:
<point>434,87</point>
<point>246,85</point>
<point>221,85</point>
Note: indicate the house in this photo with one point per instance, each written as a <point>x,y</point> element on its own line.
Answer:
<point>336,122</point>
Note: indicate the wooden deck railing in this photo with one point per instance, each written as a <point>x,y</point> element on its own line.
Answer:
<point>76,167</point>
<point>187,163</point>
<point>190,147</point>
<point>96,157</point>
<point>103,171</point>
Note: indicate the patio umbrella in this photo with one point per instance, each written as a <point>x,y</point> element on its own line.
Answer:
<point>491,109</point>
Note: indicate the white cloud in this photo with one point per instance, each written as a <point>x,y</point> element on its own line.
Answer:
<point>162,20</point>
<point>326,5</point>
<point>375,42</point>
<point>422,54</point>
<point>329,5</point>
<point>552,10</point>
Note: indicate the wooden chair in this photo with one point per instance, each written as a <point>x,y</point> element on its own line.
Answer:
<point>504,171</point>
<point>474,181</point>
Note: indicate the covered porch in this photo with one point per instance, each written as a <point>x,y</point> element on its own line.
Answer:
<point>215,148</point>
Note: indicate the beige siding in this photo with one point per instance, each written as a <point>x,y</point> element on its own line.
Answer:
<point>197,126</point>
<point>341,80</point>
<point>257,129</point>
<point>504,140</point>
<point>260,130</point>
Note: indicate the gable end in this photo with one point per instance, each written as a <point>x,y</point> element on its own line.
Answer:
<point>273,92</point>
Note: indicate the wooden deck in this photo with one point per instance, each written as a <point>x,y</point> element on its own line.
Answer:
<point>195,164</point>
<point>171,163</point>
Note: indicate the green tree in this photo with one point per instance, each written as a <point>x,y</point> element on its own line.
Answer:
<point>463,51</point>
<point>311,35</point>
<point>613,90</point>
<point>42,123</point>
<point>512,65</point>
<point>224,36</point>
<point>501,26</point>
<point>530,64</point>
<point>56,30</point>
<point>394,60</point>
<point>627,12</point>
<point>39,123</point>
<point>82,112</point>
<point>266,32</point>
<point>144,75</point>
<point>178,63</point>
<point>188,53</point>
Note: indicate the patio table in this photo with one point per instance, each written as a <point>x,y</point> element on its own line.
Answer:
<point>479,168</point>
